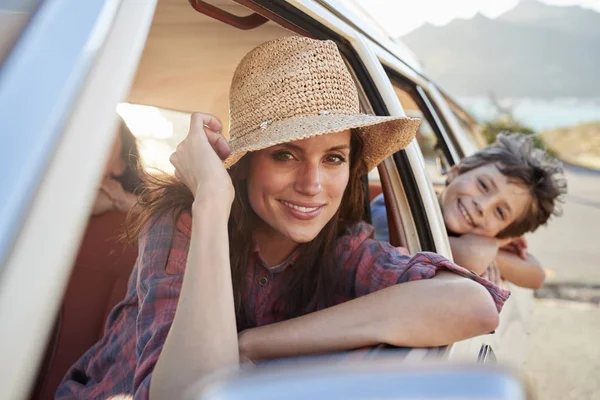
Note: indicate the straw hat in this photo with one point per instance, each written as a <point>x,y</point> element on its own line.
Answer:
<point>294,88</point>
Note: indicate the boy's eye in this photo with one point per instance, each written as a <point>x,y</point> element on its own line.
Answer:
<point>500,213</point>
<point>283,155</point>
<point>483,185</point>
<point>335,159</point>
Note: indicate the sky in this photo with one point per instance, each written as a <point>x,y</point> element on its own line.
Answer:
<point>399,17</point>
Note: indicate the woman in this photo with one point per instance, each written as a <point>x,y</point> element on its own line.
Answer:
<point>274,248</point>
<point>121,175</point>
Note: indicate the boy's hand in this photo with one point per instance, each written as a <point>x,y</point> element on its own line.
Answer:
<point>517,246</point>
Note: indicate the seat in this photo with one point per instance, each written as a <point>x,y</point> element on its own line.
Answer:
<point>374,189</point>
<point>98,282</point>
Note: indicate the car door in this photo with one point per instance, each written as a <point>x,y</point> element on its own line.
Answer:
<point>59,83</point>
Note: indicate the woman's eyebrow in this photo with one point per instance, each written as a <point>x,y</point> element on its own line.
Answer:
<point>299,148</point>
<point>341,147</point>
<point>291,146</point>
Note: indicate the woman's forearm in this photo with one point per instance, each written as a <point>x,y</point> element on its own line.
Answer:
<point>203,336</point>
<point>526,273</point>
<point>424,313</point>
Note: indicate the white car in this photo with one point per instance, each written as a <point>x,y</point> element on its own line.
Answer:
<point>65,65</point>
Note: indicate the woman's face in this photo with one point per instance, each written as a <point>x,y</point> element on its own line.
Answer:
<point>296,188</point>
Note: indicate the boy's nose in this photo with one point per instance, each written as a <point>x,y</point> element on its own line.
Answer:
<point>483,204</point>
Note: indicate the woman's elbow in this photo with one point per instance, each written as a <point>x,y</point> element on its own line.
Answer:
<point>482,316</point>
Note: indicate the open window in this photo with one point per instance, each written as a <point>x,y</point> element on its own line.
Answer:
<point>437,151</point>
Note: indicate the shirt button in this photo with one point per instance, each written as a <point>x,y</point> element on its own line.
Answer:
<point>263,281</point>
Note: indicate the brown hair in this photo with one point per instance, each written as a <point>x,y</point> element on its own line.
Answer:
<point>312,280</point>
<point>518,159</point>
<point>130,179</point>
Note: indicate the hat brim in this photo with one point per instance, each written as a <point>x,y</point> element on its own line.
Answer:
<point>382,136</point>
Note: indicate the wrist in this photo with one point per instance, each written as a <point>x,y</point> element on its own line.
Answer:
<point>219,195</point>
<point>210,206</point>
<point>245,344</point>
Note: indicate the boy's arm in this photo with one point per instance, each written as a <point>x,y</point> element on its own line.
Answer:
<point>527,273</point>
<point>474,252</point>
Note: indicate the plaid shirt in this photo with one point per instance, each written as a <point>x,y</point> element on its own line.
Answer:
<point>121,363</point>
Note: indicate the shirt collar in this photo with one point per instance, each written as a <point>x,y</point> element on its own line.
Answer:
<point>292,258</point>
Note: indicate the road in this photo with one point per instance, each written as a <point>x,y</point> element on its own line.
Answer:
<point>563,358</point>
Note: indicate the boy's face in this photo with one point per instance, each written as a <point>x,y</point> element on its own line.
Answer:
<point>483,201</point>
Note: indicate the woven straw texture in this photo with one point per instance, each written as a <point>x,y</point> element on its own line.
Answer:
<point>294,88</point>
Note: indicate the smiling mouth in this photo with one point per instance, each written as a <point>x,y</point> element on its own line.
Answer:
<point>465,214</point>
<point>300,208</point>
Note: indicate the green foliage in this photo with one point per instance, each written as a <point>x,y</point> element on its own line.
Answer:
<point>491,129</point>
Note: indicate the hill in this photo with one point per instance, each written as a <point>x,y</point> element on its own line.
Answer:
<point>534,50</point>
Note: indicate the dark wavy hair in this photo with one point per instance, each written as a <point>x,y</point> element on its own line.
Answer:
<point>518,159</point>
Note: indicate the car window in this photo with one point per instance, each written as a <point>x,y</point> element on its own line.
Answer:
<point>435,161</point>
<point>14,15</point>
<point>467,123</point>
<point>158,132</point>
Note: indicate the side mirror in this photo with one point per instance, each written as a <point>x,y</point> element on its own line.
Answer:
<point>365,380</point>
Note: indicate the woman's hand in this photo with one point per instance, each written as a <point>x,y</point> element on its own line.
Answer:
<point>198,160</point>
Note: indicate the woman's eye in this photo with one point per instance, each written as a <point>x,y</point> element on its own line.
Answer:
<point>483,185</point>
<point>283,156</point>
<point>335,159</point>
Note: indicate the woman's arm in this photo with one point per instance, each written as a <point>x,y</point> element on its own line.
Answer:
<point>203,336</point>
<point>424,313</point>
<point>527,273</point>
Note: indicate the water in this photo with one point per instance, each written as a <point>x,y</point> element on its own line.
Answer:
<point>539,114</point>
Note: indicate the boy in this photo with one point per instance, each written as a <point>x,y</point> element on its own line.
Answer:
<point>491,199</point>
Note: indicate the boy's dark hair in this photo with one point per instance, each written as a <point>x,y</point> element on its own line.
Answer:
<point>518,159</point>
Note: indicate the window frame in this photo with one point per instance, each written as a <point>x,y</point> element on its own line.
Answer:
<point>427,107</point>
<point>74,127</point>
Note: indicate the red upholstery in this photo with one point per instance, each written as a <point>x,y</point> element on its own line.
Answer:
<point>98,282</point>
<point>374,189</point>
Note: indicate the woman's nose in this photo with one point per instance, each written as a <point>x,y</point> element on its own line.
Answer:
<point>308,179</point>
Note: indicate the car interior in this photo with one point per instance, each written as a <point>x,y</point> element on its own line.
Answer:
<point>187,64</point>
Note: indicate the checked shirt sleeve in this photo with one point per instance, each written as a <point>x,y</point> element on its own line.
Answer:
<point>374,265</point>
<point>163,252</point>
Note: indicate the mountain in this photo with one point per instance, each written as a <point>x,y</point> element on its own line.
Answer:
<point>534,50</point>
<point>571,20</point>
